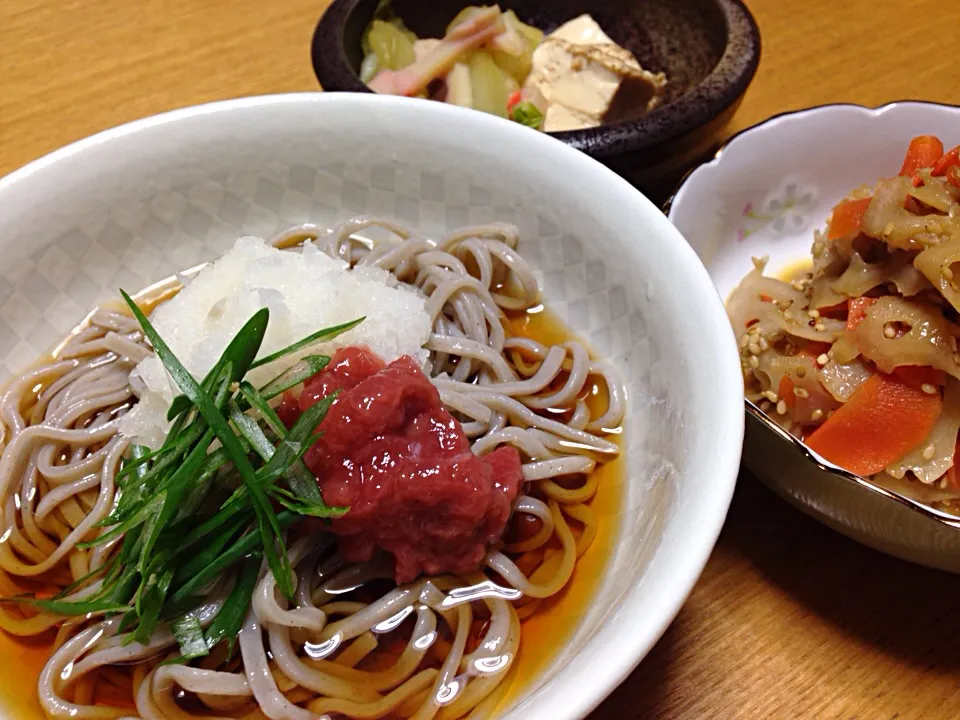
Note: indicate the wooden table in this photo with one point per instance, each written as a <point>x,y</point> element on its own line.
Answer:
<point>789,620</point>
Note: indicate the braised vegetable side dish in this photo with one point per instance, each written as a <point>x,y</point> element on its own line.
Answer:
<point>858,355</point>
<point>576,77</point>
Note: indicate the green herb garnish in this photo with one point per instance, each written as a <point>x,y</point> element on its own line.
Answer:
<point>187,513</point>
<point>189,634</point>
<point>325,334</point>
<point>526,113</point>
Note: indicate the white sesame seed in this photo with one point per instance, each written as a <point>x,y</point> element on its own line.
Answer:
<point>813,313</point>
<point>801,392</point>
<point>929,389</point>
<point>770,395</point>
<point>754,363</point>
<point>753,348</point>
<point>744,339</point>
<point>889,332</point>
<point>822,359</point>
<point>816,414</point>
<point>765,405</point>
<point>819,327</point>
<point>782,408</point>
<point>764,345</point>
<point>928,452</point>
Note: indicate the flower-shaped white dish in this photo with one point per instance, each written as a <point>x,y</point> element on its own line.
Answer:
<point>133,205</point>
<point>764,194</point>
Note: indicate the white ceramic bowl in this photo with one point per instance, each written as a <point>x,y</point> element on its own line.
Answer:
<point>135,204</point>
<point>764,194</point>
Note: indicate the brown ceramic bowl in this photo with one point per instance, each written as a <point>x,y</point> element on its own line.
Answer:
<point>709,50</point>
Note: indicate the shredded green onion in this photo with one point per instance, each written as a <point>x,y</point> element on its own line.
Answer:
<point>526,113</point>
<point>177,533</point>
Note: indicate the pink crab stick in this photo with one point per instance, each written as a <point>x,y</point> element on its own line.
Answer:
<point>471,33</point>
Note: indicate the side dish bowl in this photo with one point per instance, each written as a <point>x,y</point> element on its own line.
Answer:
<point>708,49</point>
<point>138,203</point>
<point>765,193</point>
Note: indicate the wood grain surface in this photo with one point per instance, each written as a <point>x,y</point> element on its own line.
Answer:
<point>789,620</point>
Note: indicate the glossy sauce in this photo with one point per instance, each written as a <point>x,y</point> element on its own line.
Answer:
<point>23,660</point>
<point>795,269</point>
<point>543,635</point>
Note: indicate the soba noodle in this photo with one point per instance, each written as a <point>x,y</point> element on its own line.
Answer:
<point>62,450</point>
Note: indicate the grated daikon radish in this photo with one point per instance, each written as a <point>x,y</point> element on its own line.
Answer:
<point>304,290</point>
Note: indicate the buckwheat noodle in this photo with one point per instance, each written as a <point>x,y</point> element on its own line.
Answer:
<point>61,451</point>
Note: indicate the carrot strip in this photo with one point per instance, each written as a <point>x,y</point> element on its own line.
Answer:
<point>883,420</point>
<point>924,151</point>
<point>950,159</point>
<point>814,349</point>
<point>918,375</point>
<point>838,311</point>
<point>785,392</point>
<point>858,311</point>
<point>953,175</point>
<point>847,218</point>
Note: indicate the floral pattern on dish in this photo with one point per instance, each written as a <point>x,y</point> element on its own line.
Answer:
<point>785,210</point>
